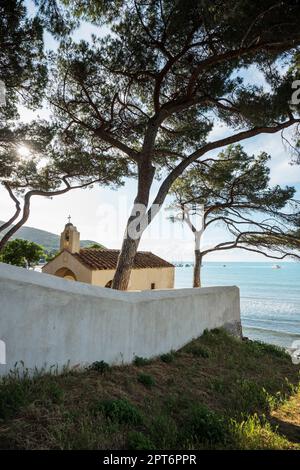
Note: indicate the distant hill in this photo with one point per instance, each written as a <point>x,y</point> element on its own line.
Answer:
<point>50,241</point>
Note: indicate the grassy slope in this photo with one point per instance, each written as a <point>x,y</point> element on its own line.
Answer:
<point>217,392</point>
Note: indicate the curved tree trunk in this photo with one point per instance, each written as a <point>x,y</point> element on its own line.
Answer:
<point>15,228</point>
<point>26,209</point>
<point>8,223</point>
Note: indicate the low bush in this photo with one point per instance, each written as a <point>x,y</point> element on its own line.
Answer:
<point>163,432</point>
<point>118,410</point>
<point>205,425</point>
<point>100,366</point>
<point>146,379</point>
<point>139,441</point>
<point>251,396</point>
<point>256,433</point>
<point>168,358</point>
<point>141,361</point>
<point>13,395</point>
<point>258,349</point>
<point>197,350</point>
<point>50,391</point>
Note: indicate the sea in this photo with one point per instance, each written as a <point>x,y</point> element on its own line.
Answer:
<point>270,298</point>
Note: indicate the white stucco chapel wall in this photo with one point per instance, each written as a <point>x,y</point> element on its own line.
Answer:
<point>46,320</point>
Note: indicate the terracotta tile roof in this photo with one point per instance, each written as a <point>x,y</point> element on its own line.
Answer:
<point>96,258</point>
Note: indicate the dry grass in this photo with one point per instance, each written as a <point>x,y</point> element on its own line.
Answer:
<point>217,392</point>
<point>287,418</point>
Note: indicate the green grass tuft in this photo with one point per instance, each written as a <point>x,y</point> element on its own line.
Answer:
<point>256,433</point>
<point>138,441</point>
<point>146,379</point>
<point>141,361</point>
<point>13,395</point>
<point>196,350</point>
<point>168,358</point>
<point>205,425</point>
<point>100,366</point>
<point>119,410</point>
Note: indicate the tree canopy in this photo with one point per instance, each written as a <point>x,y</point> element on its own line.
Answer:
<point>22,253</point>
<point>233,191</point>
<point>152,89</point>
<point>143,98</point>
<point>39,162</point>
<point>23,67</point>
<point>39,158</point>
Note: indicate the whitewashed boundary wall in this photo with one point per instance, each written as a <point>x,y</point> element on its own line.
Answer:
<point>45,320</point>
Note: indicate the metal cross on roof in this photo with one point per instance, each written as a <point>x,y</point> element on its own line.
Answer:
<point>69,219</point>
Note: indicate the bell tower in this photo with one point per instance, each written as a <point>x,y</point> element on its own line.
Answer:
<point>70,238</point>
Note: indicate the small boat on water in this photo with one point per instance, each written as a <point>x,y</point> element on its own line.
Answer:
<point>276,266</point>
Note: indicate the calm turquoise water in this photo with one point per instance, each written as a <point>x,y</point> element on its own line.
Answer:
<point>270,298</point>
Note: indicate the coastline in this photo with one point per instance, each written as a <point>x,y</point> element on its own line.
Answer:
<point>270,298</point>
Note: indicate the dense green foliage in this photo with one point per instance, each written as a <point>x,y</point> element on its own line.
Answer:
<point>146,379</point>
<point>22,253</point>
<point>141,361</point>
<point>99,366</point>
<point>120,411</point>
<point>177,59</point>
<point>22,61</point>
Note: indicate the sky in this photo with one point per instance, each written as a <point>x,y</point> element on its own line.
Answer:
<point>100,214</point>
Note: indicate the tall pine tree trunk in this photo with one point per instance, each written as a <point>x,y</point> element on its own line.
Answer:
<point>134,231</point>
<point>197,269</point>
<point>125,263</point>
<point>198,259</point>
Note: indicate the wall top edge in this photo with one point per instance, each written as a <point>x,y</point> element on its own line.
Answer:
<point>48,281</point>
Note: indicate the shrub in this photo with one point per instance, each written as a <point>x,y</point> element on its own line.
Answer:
<point>197,350</point>
<point>220,385</point>
<point>205,425</point>
<point>141,361</point>
<point>76,432</point>
<point>51,391</point>
<point>146,380</point>
<point>138,441</point>
<point>217,337</point>
<point>217,331</point>
<point>174,402</point>
<point>19,389</point>
<point>13,395</point>
<point>169,357</point>
<point>118,410</point>
<point>251,396</point>
<point>256,434</point>
<point>100,366</point>
<point>163,432</point>
<point>259,348</point>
